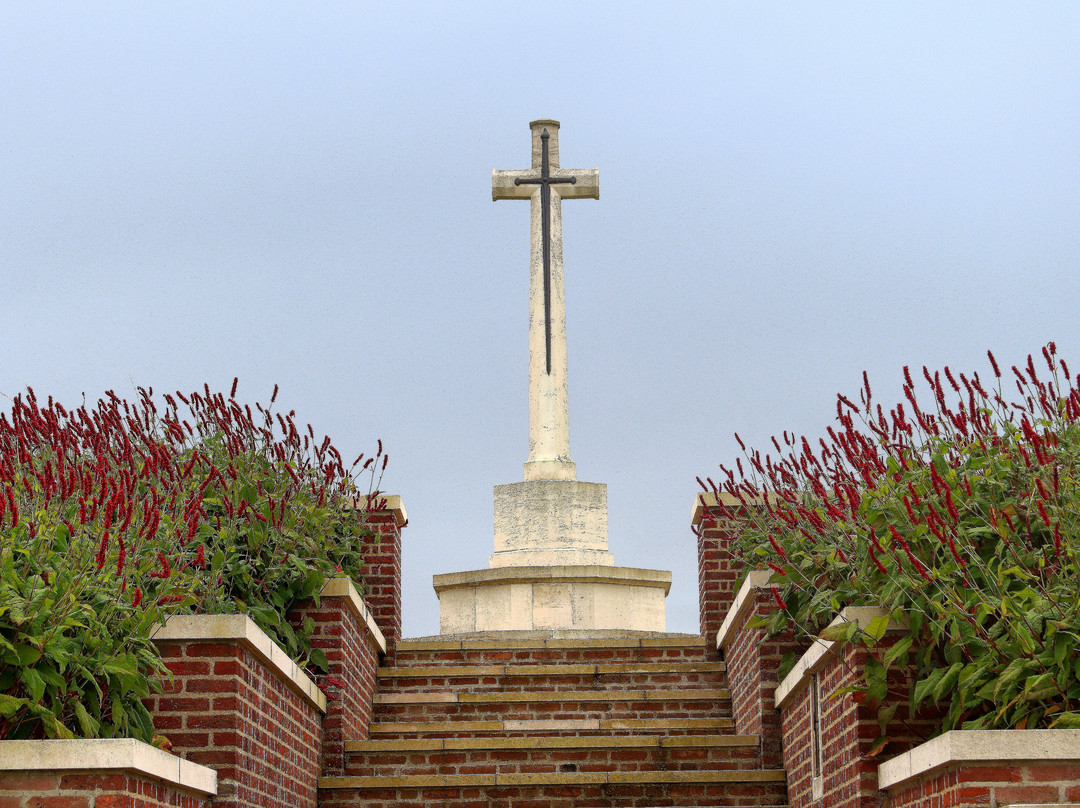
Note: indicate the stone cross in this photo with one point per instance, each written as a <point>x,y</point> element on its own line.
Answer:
<point>546,185</point>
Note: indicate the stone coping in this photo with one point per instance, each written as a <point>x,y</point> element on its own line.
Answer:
<point>344,588</point>
<point>707,499</point>
<point>586,573</point>
<point>107,754</point>
<point>740,607</point>
<point>394,505</point>
<point>551,638</point>
<point>816,654</point>
<point>978,747</point>
<point>557,778</point>
<point>242,629</point>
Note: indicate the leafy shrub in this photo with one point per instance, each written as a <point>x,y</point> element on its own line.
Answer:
<point>115,518</point>
<point>958,518</point>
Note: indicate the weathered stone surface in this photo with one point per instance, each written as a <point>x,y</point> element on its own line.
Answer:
<point>563,597</point>
<point>550,523</point>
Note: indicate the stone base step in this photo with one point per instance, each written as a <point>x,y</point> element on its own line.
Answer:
<point>551,754</point>
<point>558,790</point>
<point>515,727</point>
<point>510,650</point>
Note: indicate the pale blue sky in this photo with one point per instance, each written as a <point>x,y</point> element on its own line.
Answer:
<point>300,194</point>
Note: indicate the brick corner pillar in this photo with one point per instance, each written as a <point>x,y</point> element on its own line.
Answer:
<point>717,568</point>
<point>345,630</point>
<point>382,569</point>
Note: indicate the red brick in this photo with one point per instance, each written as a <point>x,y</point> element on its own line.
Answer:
<point>105,781</point>
<point>1007,794</point>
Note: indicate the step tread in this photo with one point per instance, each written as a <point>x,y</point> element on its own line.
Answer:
<point>551,725</point>
<point>555,778</point>
<point>485,697</point>
<point>450,671</point>
<point>553,742</point>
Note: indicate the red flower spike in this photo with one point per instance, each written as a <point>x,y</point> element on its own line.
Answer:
<point>779,600</point>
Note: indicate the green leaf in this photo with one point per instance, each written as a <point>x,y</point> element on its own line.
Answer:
<point>87,723</point>
<point>318,659</point>
<point>35,685</point>
<point>10,705</point>
<point>877,627</point>
<point>947,681</point>
<point>1066,721</point>
<point>897,650</point>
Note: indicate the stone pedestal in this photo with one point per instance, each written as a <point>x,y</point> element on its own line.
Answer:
<point>552,597</point>
<point>551,523</point>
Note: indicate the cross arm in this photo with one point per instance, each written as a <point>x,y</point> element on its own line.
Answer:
<point>586,185</point>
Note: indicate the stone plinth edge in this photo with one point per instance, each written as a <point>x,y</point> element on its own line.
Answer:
<point>343,588</point>
<point>242,629</point>
<point>107,754</point>
<point>560,597</point>
<point>998,746</point>
<point>629,576</point>
<point>820,649</point>
<point>740,607</point>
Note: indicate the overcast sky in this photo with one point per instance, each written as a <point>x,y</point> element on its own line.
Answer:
<point>299,194</point>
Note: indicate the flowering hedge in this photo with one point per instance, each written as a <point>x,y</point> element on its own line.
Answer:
<point>959,517</point>
<point>114,518</point>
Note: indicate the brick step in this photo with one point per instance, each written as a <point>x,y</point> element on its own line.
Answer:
<point>557,789</point>
<point>541,727</point>
<point>539,651</point>
<point>591,753</point>
<point>448,706</point>
<point>478,678</point>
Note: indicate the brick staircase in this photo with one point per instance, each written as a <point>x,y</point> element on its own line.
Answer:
<point>525,720</point>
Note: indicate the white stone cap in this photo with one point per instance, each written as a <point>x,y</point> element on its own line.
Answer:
<point>107,754</point>
<point>707,499</point>
<point>815,655</point>
<point>758,579</point>
<point>343,588</point>
<point>496,576</point>
<point>241,628</point>
<point>1006,746</point>
<point>393,505</point>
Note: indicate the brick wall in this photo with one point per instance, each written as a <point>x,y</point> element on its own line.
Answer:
<point>849,727</point>
<point>228,709</point>
<point>990,784</point>
<point>985,768</point>
<point>752,667</point>
<point>92,789</point>
<point>103,773</point>
<point>382,571</point>
<point>345,631</point>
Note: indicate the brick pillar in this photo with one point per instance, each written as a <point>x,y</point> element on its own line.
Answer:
<point>382,571</point>
<point>345,631</point>
<point>752,664</point>
<point>717,569</point>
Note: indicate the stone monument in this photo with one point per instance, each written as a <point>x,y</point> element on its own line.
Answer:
<point>551,569</point>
